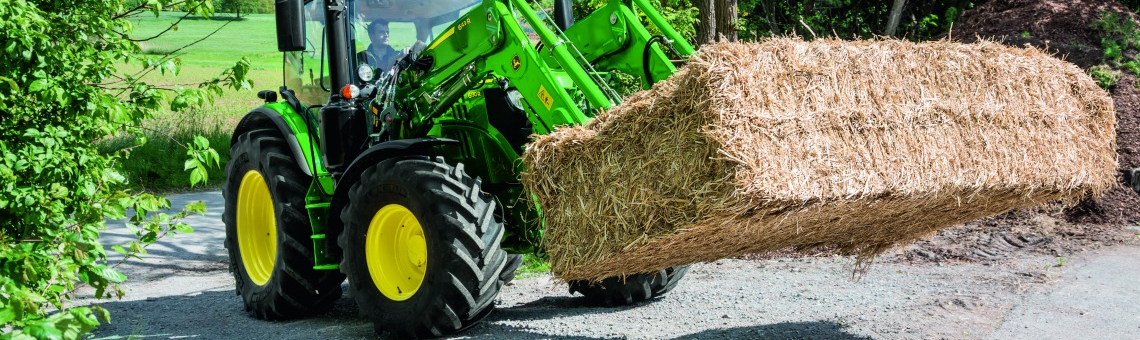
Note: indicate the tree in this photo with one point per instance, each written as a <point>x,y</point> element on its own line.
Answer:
<point>706,27</point>
<point>917,20</point>
<point>244,6</point>
<point>893,18</point>
<point>726,12</point>
<point>57,97</point>
<point>717,21</point>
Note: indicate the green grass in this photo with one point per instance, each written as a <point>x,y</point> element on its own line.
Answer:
<point>253,37</point>
<point>158,165</point>
<point>532,266</point>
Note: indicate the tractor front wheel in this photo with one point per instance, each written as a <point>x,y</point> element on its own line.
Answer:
<point>421,247</point>
<point>619,291</point>
<point>268,232</point>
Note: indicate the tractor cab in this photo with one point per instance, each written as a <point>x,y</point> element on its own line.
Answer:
<point>378,32</point>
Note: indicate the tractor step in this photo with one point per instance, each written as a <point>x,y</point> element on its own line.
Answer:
<point>318,212</point>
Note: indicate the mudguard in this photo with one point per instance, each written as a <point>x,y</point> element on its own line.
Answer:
<point>292,126</point>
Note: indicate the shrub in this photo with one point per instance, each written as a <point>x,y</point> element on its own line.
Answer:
<point>56,187</point>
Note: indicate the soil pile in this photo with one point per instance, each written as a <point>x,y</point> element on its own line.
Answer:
<point>1065,28</point>
<point>855,145</point>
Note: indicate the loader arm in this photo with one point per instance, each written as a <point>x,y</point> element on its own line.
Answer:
<point>500,73</point>
<point>561,77</point>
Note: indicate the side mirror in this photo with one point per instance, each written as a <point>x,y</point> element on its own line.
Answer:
<point>563,14</point>
<point>290,25</point>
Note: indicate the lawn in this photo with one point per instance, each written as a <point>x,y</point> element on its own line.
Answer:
<point>157,166</point>
<point>253,37</point>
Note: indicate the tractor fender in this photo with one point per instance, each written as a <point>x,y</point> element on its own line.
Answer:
<point>268,117</point>
<point>376,154</point>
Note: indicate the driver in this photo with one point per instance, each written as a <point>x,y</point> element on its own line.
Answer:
<point>378,54</point>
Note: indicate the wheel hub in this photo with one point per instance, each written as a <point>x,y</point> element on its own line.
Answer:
<point>396,252</point>
<point>256,228</point>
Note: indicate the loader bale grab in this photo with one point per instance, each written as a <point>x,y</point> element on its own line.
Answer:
<point>857,145</point>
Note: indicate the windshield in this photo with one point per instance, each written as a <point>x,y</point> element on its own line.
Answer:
<point>385,29</point>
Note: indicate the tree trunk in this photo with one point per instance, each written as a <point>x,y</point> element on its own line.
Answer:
<point>706,16</point>
<point>726,12</point>
<point>893,20</point>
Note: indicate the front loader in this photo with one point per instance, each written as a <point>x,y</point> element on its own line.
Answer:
<point>405,179</point>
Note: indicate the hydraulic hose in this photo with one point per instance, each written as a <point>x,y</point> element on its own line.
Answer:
<point>648,49</point>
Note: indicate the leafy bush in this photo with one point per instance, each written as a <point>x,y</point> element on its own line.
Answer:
<point>1104,75</point>
<point>922,20</point>
<point>56,187</point>
<point>1120,38</point>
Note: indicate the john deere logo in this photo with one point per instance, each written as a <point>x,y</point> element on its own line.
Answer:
<point>516,62</point>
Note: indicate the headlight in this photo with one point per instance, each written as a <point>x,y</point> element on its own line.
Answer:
<point>365,73</point>
<point>515,98</point>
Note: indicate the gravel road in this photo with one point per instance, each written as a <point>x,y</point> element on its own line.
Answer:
<point>184,290</point>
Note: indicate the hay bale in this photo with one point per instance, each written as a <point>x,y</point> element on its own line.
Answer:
<point>857,145</point>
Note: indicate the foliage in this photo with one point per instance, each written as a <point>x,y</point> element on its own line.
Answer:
<point>623,83</point>
<point>240,7</point>
<point>1120,40</point>
<point>532,266</point>
<point>922,20</point>
<point>150,167</point>
<point>56,187</point>
<point>681,14</point>
<point>1104,75</point>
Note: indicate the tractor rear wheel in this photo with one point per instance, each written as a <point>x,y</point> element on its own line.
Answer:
<point>421,247</point>
<point>268,232</point>
<point>617,291</point>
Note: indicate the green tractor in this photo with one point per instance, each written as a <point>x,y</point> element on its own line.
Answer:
<point>393,155</point>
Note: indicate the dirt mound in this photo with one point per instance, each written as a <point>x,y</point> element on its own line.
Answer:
<point>1064,28</point>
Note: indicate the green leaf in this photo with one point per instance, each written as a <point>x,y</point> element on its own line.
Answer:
<point>149,237</point>
<point>198,207</point>
<point>109,274</point>
<point>11,84</point>
<point>44,330</point>
<point>201,142</point>
<point>38,85</point>
<point>131,227</point>
<point>183,228</point>
<point>119,249</point>
<point>6,315</point>
<point>190,164</point>
<point>198,175</point>
<point>102,313</point>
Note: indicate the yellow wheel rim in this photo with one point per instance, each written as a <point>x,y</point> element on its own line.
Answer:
<point>256,228</point>
<point>396,252</point>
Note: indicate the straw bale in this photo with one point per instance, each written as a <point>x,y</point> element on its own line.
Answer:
<point>857,145</point>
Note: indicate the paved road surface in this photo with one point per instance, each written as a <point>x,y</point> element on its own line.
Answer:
<point>184,290</point>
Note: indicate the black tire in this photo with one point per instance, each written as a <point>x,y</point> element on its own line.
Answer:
<point>463,266</point>
<point>616,291</point>
<point>293,289</point>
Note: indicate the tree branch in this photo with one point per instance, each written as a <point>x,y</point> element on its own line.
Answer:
<point>168,28</point>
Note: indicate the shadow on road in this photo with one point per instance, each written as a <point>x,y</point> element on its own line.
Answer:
<point>780,331</point>
<point>219,314</point>
<point>816,330</point>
